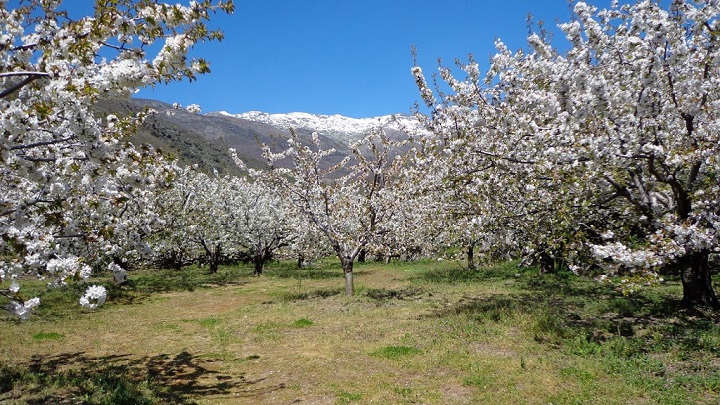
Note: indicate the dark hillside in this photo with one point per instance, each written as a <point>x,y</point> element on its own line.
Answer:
<point>205,139</point>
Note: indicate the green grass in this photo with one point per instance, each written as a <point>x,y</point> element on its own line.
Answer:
<point>480,381</point>
<point>345,397</point>
<point>42,336</point>
<point>395,352</point>
<point>430,332</point>
<point>103,384</point>
<point>306,295</point>
<point>209,322</point>
<point>458,274</point>
<point>302,323</point>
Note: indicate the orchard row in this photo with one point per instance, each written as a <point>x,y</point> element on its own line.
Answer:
<point>601,158</point>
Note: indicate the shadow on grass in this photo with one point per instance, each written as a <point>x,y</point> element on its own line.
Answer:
<point>660,303</point>
<point>384,294</point>
<point>324,269</point>
<point>305,273</point>
<point>121,379</point>
<point>186,279</point>
<point>147,283</point>
<point>312,294</point>
<point>564,309</point>
<point>454,274</point>
<point>650,340</point>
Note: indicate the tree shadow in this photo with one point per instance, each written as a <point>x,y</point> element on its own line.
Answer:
<point>649,302</point>
<point>564,309</point>
<point>140,288</point>
<point>123,379</point>
<point>458,275</point>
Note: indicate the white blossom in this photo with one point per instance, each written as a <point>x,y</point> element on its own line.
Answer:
<point>73,195</point>
<point>94,297</point>
<point>23,310</point>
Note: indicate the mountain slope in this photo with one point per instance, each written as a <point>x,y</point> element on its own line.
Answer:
<point>205,139</point>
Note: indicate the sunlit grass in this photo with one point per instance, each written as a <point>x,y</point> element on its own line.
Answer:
<point>421,332</point>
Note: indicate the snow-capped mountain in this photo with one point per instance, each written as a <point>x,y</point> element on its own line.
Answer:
<point>334,126</point>
<point>205,139</point>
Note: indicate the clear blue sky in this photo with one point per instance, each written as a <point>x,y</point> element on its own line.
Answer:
<point>347,57</point>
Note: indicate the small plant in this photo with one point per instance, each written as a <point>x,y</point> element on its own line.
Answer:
<point>395,352</point>
<point>345,397</point>
<point>577,374</point>
<point>267,331</point>
<point>302,323</point>
<point>481,381</point>
<point>42,336</point>
<point>209,322</point>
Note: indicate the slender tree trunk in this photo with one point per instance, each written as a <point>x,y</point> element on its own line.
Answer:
<point>300,260</point>
<point>471,257</point>
<point>697,284</point>
<point>547,263</point>
<point>361,256</point>
<point>258,262</point>
<point>176,259</point>
<point>213,267</point>
<point>347,265</point>
<point>215,259</point>
<point>213,255</point>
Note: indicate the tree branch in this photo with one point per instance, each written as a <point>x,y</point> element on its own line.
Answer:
<point>31,76</point>
<point>45,143</point>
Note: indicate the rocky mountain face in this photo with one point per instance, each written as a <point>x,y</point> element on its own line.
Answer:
<point>205,139</point>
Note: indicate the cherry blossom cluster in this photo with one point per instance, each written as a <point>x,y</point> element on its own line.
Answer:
<point>351,203</point>
<point>212,218</point>
<point>603,156</point>
<point>72,185</point>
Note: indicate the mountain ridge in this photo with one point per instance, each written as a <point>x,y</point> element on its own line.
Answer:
<point>205,139</point>
<point>328,124</point>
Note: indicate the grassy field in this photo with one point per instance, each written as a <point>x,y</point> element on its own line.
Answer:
<point>427,332</point>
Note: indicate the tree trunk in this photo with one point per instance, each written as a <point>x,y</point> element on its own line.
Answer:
<point>697,284</point>
<point>258,262</point>
<point>300,260</point>
<point>361,256</point>
<point>547,263</point>
<point>176,259</point>
<point>347,265</point>
<point>213,255</point>
<point>215,259</point>
<point>471,257</point>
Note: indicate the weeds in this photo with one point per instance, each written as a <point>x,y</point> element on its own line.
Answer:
<point>302,323</point>
<point>42,336</point>
<point>345,397</point>
<point>395,352</point>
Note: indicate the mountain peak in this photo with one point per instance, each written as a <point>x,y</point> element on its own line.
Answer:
<point>329,125</point>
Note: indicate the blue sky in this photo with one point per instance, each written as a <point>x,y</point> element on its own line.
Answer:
<point>346,57</point>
